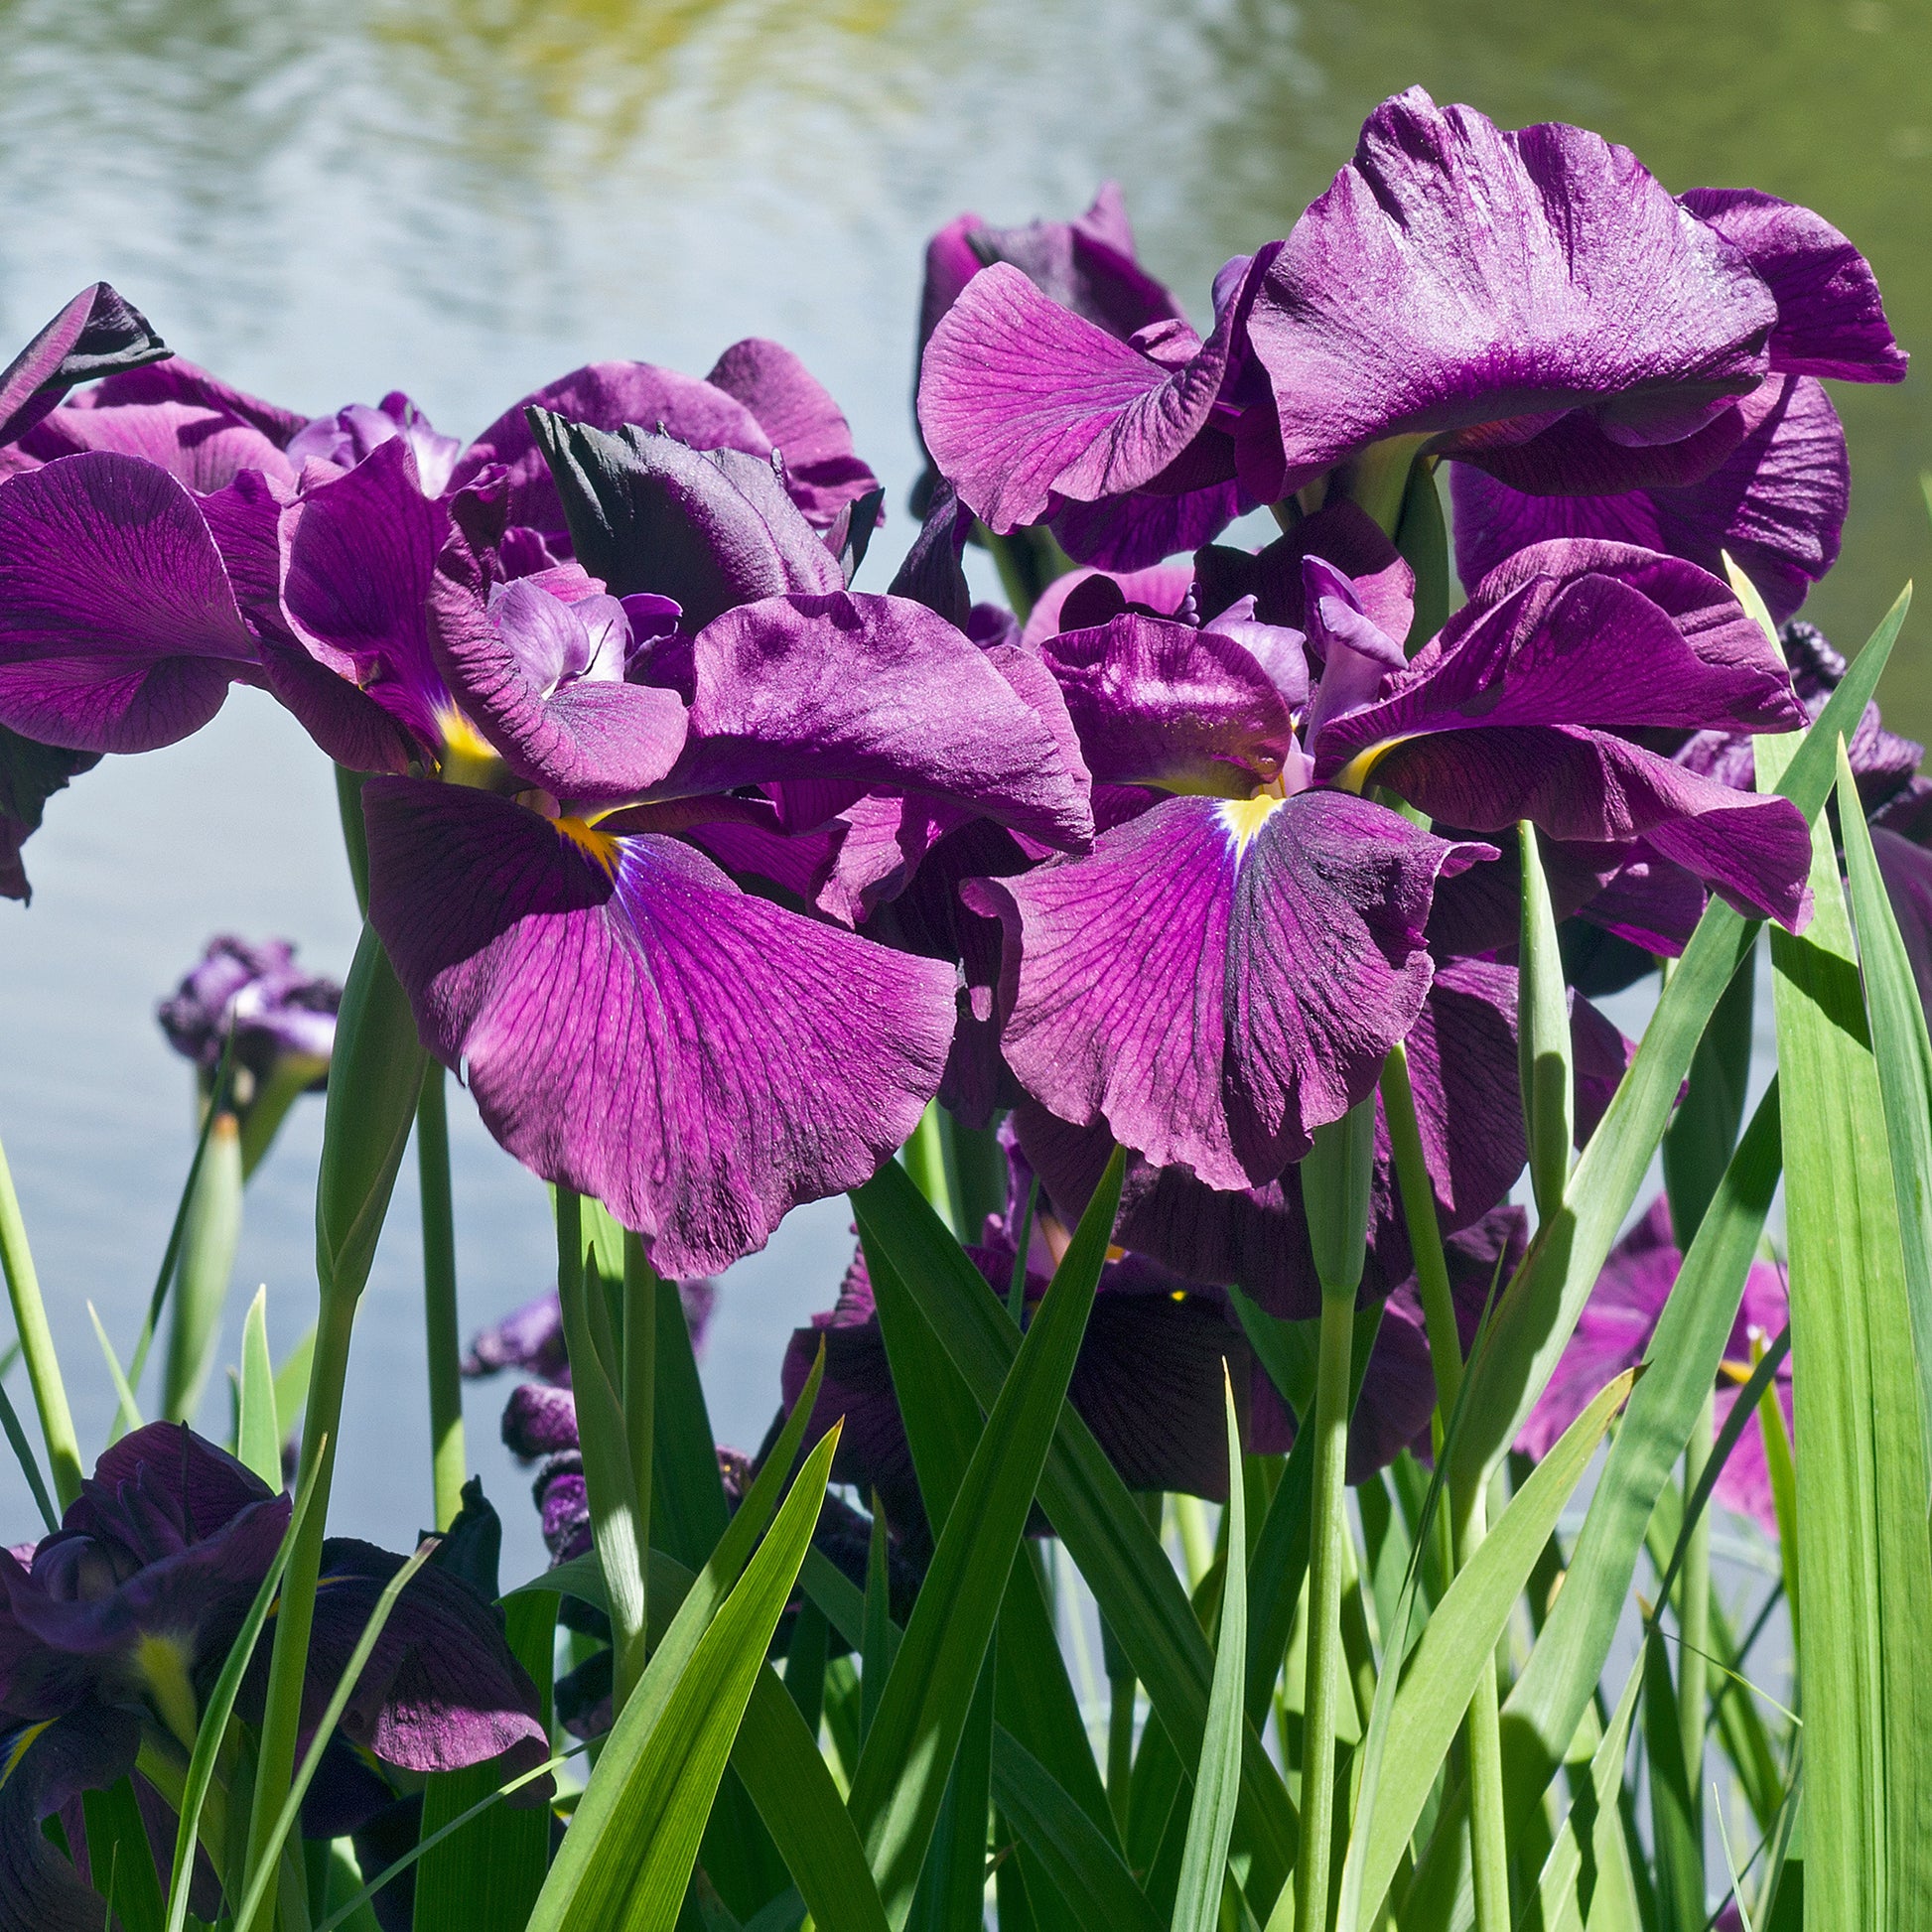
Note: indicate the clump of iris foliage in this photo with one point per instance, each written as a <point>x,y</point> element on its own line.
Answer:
<point>1185,969</point>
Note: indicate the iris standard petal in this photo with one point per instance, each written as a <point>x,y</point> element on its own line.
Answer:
<point>1831,316</point>
<point>881,691</point>
<point>635,1027</point>
<point>1456,276</point>
<point>804,427</point>
<point>1217,978</point>
<point>119,629</point>
<point>1776,503</point>
<point>96,333</point>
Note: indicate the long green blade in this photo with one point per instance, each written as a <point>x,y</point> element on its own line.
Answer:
<point>627,1858</point>
<point>259,1439</point>
<point>1865,1623</point>
<point>901,1778</point>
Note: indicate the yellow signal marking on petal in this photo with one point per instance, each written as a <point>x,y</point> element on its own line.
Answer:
<point>469,758</point>
<point>599,846</point>
<point>1244,817</point>
<point>22,1745</point>
<point>163,1661</point>
<point>1354,775</point>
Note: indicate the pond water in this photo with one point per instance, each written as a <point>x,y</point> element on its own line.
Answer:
<point>323,200</point>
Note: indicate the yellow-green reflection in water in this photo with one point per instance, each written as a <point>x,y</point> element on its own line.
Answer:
<point>330,197</point>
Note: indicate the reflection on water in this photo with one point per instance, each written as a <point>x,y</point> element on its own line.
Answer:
<point>327,198</point>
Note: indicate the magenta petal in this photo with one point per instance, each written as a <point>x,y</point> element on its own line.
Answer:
<point>1160,588</point>
<point>119,629</point>
<point>880,690</point>
<point>1022,400</point>
<point>96,333</point>
<point>698,1059</point>
<point>1215,988</point>
<point>1160,703</point>
<point>204,448</point>
<point>179,380</point>
<point>1777,504</point>
<point>1455,275</point>
<point>525,672</point>
<point>1831,316</point>
<point>1134,531</point>
<point>807,429</point>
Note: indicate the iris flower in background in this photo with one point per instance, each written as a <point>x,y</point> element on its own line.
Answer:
<point>1615,1329</point>
<point>1608,360</point>
<point>114,1628</point>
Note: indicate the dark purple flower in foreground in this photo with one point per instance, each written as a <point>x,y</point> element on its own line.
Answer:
<point>283,1020</point>
<point>1615,1329</point>
<point>118,1623</point>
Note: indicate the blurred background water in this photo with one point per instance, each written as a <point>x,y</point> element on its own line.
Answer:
<point>323,200</point>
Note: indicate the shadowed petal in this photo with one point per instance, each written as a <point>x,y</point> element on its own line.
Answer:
<point>1776,503</point>
<point>1456,276</point>
<point>43,1766</point>
<point>30,774</point>
<point>96,333</point>
<point>203,448</point>
<point>119,629</point>
<point>635,1027</point>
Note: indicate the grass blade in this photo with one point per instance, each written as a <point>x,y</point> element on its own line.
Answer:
<point>258,1435</point>
<point>1217,1780</point>
<point>29,1463</point>
<point>1559,1905</point>
<point>900,1777</point>
<point>1865,1565</point>
<point>628,1856</point>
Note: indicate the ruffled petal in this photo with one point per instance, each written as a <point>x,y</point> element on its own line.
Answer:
<point>98,332</point>
<point>806,428</point>
<point>119,629</point>
<point>881,691</point>
<point>1777,504</point>
<point>1217,978</point>
<point>203,448</point>
<point>635,1027</point>
<point>1831,316</point>
<point>1456,276</point>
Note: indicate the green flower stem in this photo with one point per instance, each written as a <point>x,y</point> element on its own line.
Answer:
<point>640,1391</point>
<point>927,1163</point>
<point>1325,1609</point>
<point>449,1465</point>
<point>1425,1235</point>
<point>1543,1052</point>
<point>210,1234</point>
<point>1488,1838</point>
<point>36,1344</point>
<point>1694,1610</point>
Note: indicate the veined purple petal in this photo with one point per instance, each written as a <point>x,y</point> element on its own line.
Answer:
<point>1217,978</point>
<point>805,427</point>
<point>1160,703</point>
<point>1023,401</point>
<point>358,565</point>
<point>880,690</point>
<point>635,1027</point>
<point>1137,530</point>
<point>1831,316</point>
<point>179,380</point>
<point>96,333</point>
<point>543,681</point>
<point>1456,276</point>
<point>1776,503</point>
<point>203,448</point>
<point>119,629</point>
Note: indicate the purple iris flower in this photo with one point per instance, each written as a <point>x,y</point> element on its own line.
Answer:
<point>1228,967</point>
<point>532,1337</point>
<point>281,1018</point>
<point>1534,304</point>
<point>113,1629</point>
<point>1615,1329</point>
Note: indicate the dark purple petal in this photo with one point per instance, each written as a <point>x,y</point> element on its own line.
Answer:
<point>1831,316</point>
<point>1456,276</point>
<point>1160,703</point>
<point>119,630</point>
<point>1907,873</point>
<point>441,1689</point>
<point>878,690</point>
<point>1217,978</point>
<point>358,565</point>
<point>43,1766</point>
<point>257,993</point>
<point>1160,589</point>
<point>635,1027</point>
<point>805,427</point>
<point>529,1338</point>
<point>1134,531</point>
<point>30,774</point>
<point>539,1420</point>
<point>528,672</point>
<point>1777,504</point>
<point>96,333</point>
